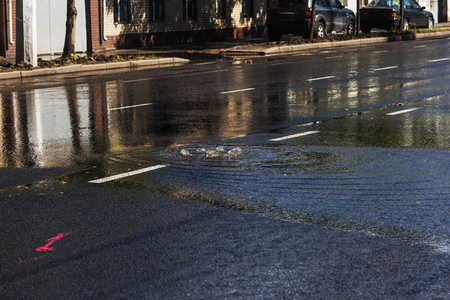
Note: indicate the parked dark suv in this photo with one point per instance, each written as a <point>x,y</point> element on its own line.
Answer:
<point>385,14</point>
<point>294,16</point>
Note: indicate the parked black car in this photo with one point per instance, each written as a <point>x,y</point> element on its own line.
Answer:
<point>385,14</point>
<point>294,16</point>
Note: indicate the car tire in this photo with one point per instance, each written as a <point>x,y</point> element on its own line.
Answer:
<point>430,23</point>
<point>321,30</point>
<point>274,35</point>
<point>350,30</point>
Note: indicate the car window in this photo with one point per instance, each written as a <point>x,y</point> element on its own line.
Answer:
<point>287,3</point>
<point>412,5</point>
<point>384,3</point>
<point>335,4</point>
<point>322,3</point>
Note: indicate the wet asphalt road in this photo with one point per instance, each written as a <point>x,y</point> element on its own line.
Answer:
<point>317,176</point>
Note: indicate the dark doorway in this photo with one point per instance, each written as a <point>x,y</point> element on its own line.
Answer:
<point>443,11</point>
<point>2,28</point>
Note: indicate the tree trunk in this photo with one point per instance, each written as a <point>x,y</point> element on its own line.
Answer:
<point>358,19</point>
<point>401,16</point>
<point>312,21</point>
<point>69,42</point>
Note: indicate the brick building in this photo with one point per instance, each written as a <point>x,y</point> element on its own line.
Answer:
<point>111,24</point>
<point>156,22</point>
<point>8,29</point>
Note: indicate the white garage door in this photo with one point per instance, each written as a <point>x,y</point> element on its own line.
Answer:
<point>51,26</point>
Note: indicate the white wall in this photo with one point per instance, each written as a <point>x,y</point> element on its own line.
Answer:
<point>29,31</point>
<point>51,26</point>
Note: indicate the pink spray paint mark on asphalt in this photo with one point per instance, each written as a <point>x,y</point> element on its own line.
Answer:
<point>51,241</point>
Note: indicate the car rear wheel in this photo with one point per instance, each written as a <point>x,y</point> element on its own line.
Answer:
<point>430,23</point>
<point>274,35</point>
<point>350,28</point>
<point>321,31</point>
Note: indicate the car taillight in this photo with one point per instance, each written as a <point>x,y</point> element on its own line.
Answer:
<point>308,13</point>
<point>269,16</point>
<point>392,15</point>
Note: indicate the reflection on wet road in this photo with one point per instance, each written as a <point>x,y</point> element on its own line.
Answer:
<point>320,141</point>
<point>364,180</point>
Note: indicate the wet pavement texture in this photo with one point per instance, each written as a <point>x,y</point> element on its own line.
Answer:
<point>320,175</point>
<point>135,245</point>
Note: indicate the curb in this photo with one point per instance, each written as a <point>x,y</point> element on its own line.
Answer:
<point>103,67</point>
<point>240,50</point>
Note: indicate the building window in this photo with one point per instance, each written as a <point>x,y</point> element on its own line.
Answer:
<point>247,8</point>
<point>190,9</point>
<point>122,11</point>
<point>220,9</point>
<point>156,10</point>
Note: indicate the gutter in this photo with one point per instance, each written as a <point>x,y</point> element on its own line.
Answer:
<point>103,20</point>
<point>11,37</point>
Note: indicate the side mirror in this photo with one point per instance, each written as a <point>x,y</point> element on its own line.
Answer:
<point>423,8</point>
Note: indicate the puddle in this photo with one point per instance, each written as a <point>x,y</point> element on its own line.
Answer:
<point>383,192</point>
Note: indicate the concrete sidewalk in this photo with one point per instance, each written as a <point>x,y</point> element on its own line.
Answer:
<point>273,49</point>
<point>78,68</point>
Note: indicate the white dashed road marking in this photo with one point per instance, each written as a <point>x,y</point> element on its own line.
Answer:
<point>439,59</point>
<point>131,106</point>
<point>237,91</point>
<point>320,78</point>
<point>293,136</point>
<point>404,111</point>
<point>127,174</point>
<point>386,68</point>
